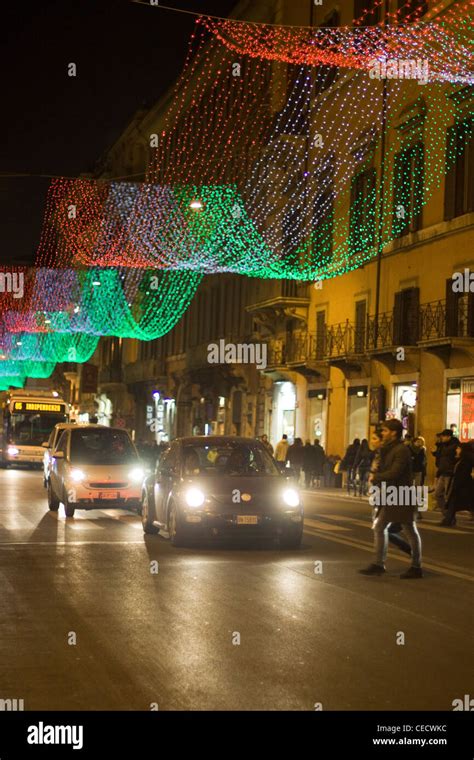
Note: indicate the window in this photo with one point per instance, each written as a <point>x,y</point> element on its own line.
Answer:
<point>362,213</point>
<point>326,75</point>
<point>459,315</point>
<point>459,185</point>
<point>411,10</point>
<point>406,317</point>
<point>367,12</point>
<point>320,333</point>
<point>360,326</point>
<point>408,183</point>
<point>323,214</point>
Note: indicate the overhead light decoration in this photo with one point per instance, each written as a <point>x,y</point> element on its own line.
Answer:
<point>272,187</point>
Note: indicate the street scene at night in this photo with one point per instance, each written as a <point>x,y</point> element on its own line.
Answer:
<point>237,374</point>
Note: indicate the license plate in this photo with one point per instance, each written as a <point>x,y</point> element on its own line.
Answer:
<point>112,495</point>
<point>247,520</point>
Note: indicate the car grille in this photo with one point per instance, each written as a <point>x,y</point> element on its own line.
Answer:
<point>108,485</point>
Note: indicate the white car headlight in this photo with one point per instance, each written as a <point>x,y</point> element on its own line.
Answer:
<point>194,497</point>
<point>291,497</point>
<point>137,474</point>
<point>77,476</point>
<point>12,451</point>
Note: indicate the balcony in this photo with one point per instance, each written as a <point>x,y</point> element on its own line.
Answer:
<point>113,374</point>
<point>144,370</point>
<point>432,327</point>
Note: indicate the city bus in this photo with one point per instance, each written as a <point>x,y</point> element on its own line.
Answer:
<point>27,418</point>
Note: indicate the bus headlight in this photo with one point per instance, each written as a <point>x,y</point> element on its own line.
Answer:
<point>12,451</point>
<point>291,497</point>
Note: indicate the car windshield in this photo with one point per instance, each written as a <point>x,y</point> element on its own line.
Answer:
<point>101,447</point>
<point>228,459</point>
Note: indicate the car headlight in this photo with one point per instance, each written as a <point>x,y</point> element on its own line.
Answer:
<point>137,474</point>
<point>12,451</point>
<point>77,476</point>
<point>291,497</point>
<point>194,497</point>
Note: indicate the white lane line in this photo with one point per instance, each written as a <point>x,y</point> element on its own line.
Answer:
<point>324,525</point>
<point>65,543</point>
<point>368,547</point>
<point>423,524</point>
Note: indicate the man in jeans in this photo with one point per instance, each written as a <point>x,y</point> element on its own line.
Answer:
<point>445,461</point>
<point>395,475</point>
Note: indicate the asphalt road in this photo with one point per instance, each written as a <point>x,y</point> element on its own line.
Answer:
<point>168,639</point>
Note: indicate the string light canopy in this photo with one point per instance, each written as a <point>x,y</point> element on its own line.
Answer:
<point>271,135</point>
<point>444,41</point>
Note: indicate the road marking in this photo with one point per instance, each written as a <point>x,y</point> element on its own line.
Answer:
<point>368,547</point>
<point>424,524</point>
<point>65,543</point>
<point>324,526</point>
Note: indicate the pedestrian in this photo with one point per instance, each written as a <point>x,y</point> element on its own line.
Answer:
<point>348,460</point>
<point>282,449</point>
<point>394,473</point>
<point>308,464</point>
<point>445,461</point>
<point>418,463</point>
<point>461,490</point>
<point>395,528</point>
<point>267,444</point>
<point>295,456</point>
<point>319,460</point>
<point>362,464</point>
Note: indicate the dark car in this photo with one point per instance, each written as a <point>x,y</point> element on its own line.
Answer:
<point>220,486</point>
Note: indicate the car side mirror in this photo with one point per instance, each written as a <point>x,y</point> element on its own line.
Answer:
<point>45,444</point>
<point>58,455</point>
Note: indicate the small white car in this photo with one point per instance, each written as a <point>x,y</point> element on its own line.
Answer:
<point>95,467</point>
<point>50,445</point>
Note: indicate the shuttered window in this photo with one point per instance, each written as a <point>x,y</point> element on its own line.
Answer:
<point>408,184</point>
<point>459,178</point>
<point>406,317</point>
<point>362,213</point>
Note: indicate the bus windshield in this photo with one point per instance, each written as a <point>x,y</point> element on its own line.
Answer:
<point>31,428</point>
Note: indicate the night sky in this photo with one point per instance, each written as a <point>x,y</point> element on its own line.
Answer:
<point>126,56</point>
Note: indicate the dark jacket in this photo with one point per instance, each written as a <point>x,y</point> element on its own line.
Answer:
<point>446,459</point>
<point>418,459</point>
<point>295,455</point>
<point>349,457</point>
<point>461,489</point>
<point>395,470</point>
